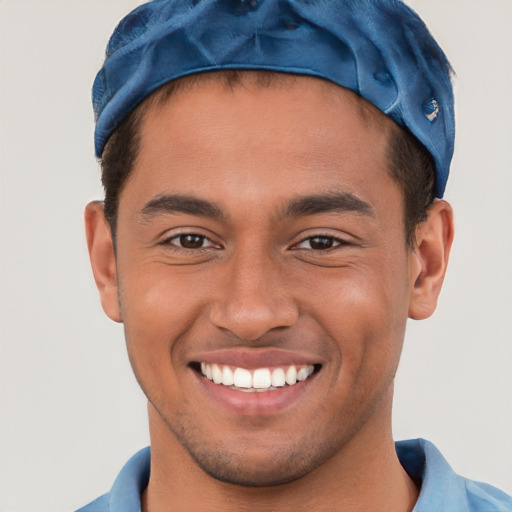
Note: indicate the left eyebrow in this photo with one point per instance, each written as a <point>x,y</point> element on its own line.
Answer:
<point>339,202</point>
<point>177,203</point>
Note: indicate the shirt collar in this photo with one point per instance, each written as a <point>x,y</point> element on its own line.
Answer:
<point>441,487</point>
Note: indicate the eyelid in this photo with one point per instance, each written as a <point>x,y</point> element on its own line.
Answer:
<point>339,238</point>
<point>337,242</point>
<point>205,239</point>
<point>170,235</point>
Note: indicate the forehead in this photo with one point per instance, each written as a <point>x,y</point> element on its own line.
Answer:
<point>243,97</point>
<point>296,131</point>
<point>207,84</point>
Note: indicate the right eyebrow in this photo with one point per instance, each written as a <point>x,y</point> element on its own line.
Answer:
<point>325,203</point>
<point>178,203</point>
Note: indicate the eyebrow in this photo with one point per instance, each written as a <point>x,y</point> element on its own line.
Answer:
<point>308,205</point>
<point>338,202</point>
<point>177,203</point>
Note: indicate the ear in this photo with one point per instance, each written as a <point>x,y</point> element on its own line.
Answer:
<point>103,262</point>
<point>429,259</point>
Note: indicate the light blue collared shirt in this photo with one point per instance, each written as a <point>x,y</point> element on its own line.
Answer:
<point>442,490</point>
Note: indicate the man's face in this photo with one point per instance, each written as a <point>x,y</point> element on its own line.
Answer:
<point>260,230</point>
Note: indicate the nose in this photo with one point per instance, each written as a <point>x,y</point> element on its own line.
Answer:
<point>254,300</point>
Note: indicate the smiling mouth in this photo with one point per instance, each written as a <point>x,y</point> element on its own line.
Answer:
<point>257,380</point>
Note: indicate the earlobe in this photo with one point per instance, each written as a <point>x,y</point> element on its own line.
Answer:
<point>101,254</point>
<point>429,259</point>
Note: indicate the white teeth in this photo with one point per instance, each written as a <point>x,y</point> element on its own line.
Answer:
<point>304,372</point>
<point>216,374</point>
<point>278,378</point>
<point>261,379</point>
<point>227,376</point>
<point>242,378</point>
<point>291,376</point>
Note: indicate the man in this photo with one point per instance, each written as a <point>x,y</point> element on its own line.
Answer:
<point>273,177</point>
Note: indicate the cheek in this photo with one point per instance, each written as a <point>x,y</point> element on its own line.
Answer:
<point>159,311</point>
<point>364,311</point>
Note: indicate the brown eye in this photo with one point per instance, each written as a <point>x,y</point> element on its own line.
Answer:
<point>191,241</point>
<point>320,243</point>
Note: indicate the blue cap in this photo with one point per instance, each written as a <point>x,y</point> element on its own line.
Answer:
<point>380,49</point>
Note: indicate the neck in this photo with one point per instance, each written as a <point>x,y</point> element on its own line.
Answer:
<point>364,475</point>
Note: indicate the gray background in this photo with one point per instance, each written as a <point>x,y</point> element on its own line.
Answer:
<point>71,412</point>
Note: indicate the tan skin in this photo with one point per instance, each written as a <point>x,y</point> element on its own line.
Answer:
<point>331,287</point>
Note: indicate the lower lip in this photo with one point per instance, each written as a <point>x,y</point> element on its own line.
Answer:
<point>258,403</point>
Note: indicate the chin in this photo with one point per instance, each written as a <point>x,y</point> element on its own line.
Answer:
<point>247,471</point>
<point>253,462</point>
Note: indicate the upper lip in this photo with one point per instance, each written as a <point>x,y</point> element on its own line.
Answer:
<point>255,358</point>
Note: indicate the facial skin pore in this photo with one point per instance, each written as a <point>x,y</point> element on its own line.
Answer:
<point>260,228</point>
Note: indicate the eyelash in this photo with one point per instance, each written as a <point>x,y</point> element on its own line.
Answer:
<point>334,241</point>
<point>170,241</point>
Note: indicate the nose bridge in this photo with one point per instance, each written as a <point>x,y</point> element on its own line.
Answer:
<point>255,299</point>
